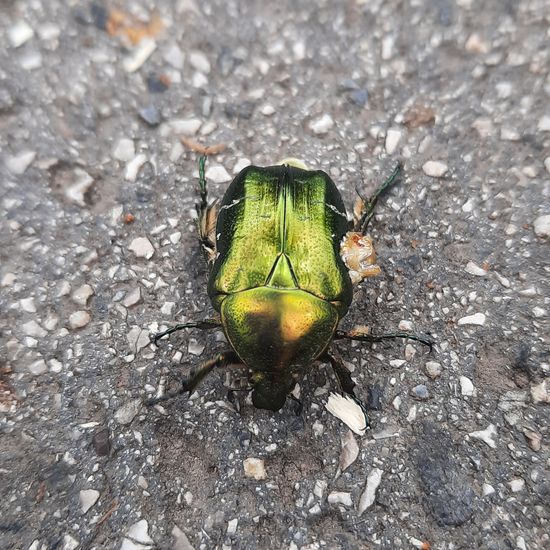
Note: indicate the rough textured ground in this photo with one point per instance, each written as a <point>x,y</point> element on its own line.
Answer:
<point>351,87</point>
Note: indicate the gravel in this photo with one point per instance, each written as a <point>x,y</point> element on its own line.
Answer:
<point>456,91</point>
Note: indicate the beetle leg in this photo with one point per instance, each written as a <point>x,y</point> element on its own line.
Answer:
<point>206,324</point>
<point>366,210</point>
<point>197,374</point>
<point>342,373</point>
<point>208,214</point>
<point>364,337</point>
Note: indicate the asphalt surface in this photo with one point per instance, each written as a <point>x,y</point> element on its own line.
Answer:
<point>98,250</point>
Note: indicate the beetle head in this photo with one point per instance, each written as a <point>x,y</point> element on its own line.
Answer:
<point>270,392</point>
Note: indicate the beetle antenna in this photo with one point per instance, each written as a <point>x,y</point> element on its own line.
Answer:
<point>202,182</point>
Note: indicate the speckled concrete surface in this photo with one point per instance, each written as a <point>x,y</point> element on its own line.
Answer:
<point>98,250</point>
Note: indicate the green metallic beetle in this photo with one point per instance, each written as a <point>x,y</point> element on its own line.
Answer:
<point>282,259</point>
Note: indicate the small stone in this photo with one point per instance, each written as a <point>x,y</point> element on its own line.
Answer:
<point>150,114</point>
<point>27,304</point>
<point>139,532</point>
<point>540,393</point>
<point>435,169</point>
<point>337,497</point>
<point>138,338</point>
<point>359,97</point>
<point>181,541</point>
<point>475,44</point>
<point>217,174</point>
<point>132,298</point>
<point>487,435</point>
<point>254,468</point>
<point>174,56</point>
<point>240,165</point>
<point>487,489</point>
<point>393,136</point>
<point>474,269</point>
<point>541,226</point>
<point>101,442</point>
<point>547,164</point>
<point>420,392</point>
<point>8,279</point>
<point>405,325</point>
<point>127,412</point>
<point>31,61</point>
<point>533,439</point>
<point>466,386</point>
<point>87,498</point>
<point>124,150</point>
<point>139,55</point>
<point>433,369</point>
<point>199,61</point>
<point>134,166</point>
<point>20,33</point>
<point>369,494</point>
<point>267,110</point>
<point>517,485</point>
<point>32,328</point>
<point>38,367</point>
<point>544,124</point>
<point>168,308</point>
<point>410,352</point>
<point>82,294</point>
<point>539,312</point>
<point>232,526</point>
<point>82,182</point>
<point>79,319</point>
<point>142,248</point>
<point>69,542</point>
<point>18,164</point>
<point>321,125</point>
<point>194,347</point>
<point>476,319</point>
<point>186,127</point>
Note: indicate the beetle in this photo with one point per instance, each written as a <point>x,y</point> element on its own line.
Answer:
<point>283,260</point>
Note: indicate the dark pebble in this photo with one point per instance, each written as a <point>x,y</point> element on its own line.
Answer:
<point>100,16</point>
<point>348,85</point>
<point>420,392</point>
<point>449,494</point>
<point>240,110</point>
<point>155,85</point>
<point>374,398</point>
<point>101,442</point>
<point>150,115</point>
<point>359,97</point>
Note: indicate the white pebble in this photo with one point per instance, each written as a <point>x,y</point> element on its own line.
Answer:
<point>18,164</point>
<point>142,247</point>
<point>267,110</point>
<point>124,150</point>
<point>542,226</point>
<point>20,33</point>
<point>254,468</point>
<point>466,386</point>
<point>139,55</point>
<point>405,325</point>
<point>38,367</point>
<point>174,56</point>
<point>185,126</point>
<point>476,319</point>
<point>82,182</point>
<point>79,319</point>
<point>435,169</point>
<point>540,393</point>
<point>27,304</point>
<point>544,124</point>
<point>32,328</point>
<point>487,436</point>
<point>132,298</point>
<point>232,526</point>
<point>127,412</point>
<point>139,532</point>
<point>487,489</point>
<point>168,308</point>
<point>322,124</point>
<point>199,61</point>
<point>369,494</point>
<point>82,294</point>
<point>217,174</point>
<point>474,269</point>
<point>547,164</point>
<point>517,484</point>
<point>433,369</point>
<point>539,312</point>
<point>338,497</point>
<point>240,164</point>
<point>134,166</point>
<point>87,498</point>
<point>393,136</point>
